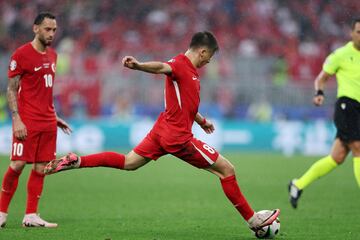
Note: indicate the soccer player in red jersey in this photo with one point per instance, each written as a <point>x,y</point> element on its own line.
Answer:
<point>172,134</point>
<point>30,95</point>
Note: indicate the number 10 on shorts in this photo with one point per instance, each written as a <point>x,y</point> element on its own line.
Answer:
<point>18,149</point>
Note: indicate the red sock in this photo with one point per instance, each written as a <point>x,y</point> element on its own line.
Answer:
<point>104,159</point>
<point>34,190</point>
<point>233,193</point>
<point>9,185</point>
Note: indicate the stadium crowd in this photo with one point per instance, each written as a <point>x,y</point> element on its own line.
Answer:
<point>94,35</point>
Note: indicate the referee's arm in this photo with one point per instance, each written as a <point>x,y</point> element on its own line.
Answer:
<point>319,85</point>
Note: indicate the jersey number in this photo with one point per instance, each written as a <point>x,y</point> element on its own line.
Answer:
<point>209,149</point>
<point>18,149</point>
<point>48,80</point>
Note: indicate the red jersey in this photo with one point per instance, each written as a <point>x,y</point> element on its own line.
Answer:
<point>182,99</point>
<point>35,95</point>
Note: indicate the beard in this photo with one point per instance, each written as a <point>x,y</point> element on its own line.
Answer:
<point>44,42</point>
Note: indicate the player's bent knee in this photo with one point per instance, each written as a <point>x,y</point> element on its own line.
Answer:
<point>223,169</point>
<point>229,171</point>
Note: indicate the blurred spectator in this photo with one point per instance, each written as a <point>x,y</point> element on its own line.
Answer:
<point>248,48</point>
<point>122,108</point>
<point>63,67</point>
<point>260,111</point>
<point>280,72</point>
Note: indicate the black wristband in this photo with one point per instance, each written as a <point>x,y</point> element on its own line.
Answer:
<point>319,93</point>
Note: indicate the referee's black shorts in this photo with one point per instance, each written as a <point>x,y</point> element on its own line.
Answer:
<point>347,119</point>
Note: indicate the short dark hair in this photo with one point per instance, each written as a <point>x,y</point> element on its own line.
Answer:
<point>41,16</point>
<point>204,39</point>
<point>354,21</point>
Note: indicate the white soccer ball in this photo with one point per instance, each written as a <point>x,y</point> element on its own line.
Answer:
<point>269,232</point>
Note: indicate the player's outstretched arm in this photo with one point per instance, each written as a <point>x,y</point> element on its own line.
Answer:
<point>204,123</point>
<point>150,67</point>
<point>319,85</point>
<point>19,128</point>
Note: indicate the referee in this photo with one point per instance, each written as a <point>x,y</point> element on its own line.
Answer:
<point>345,64</point>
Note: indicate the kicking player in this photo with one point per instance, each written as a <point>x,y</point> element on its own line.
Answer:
<point>344,63</point>
<point>30,95</point>
<point>172,134</point>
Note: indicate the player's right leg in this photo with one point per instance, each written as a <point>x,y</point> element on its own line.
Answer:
<point>23,151</point>
<point>69,161</point>
<point>131,161</point>
<point>141,155</point>
<point>9,186</point>
<point>318,169</point>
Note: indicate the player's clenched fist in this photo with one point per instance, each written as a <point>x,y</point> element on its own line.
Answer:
<point>130,62</point>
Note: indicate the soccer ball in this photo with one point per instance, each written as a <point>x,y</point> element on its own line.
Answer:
<point>269,232</point>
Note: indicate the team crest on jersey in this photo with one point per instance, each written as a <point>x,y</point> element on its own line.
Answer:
<point>12,65</point>
<point>53,67</point>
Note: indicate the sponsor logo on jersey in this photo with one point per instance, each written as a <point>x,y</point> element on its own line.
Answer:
<point>12,65</point>
<point>53,67</point>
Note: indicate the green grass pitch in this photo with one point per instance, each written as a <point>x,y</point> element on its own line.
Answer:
<point>169,199</point>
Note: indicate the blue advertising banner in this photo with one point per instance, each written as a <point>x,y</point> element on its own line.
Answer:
<point>287,137</point>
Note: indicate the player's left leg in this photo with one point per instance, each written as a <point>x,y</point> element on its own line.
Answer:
<point>34,190</point>
<point>355,149</point>
<point>46,146</point>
